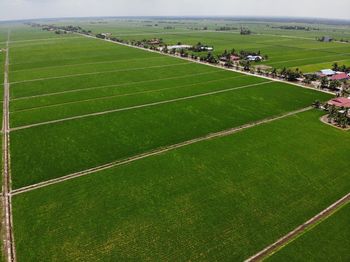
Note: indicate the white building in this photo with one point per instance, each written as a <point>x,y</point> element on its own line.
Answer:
<point>327,72</point>
<point>254,58</point>
<point>179,47</point>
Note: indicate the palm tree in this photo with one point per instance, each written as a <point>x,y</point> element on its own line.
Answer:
<point>332,112</point>
<point>335,66</point>
<point>274,72</point>
<point>316,104</point>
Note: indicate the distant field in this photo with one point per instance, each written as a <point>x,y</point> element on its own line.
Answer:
<point>329,241</point>
<point>222,199</point>
<point>285,48</point>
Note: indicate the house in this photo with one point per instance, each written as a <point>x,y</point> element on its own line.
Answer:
<point>235,58</point>
<point>179,47</point>
<point>207,48</point>
<point>327,39</point>
<point>106,35</point>
<point>340,77</point>
<point>256,58</point>
<point>340,102</point>
<point>154,41</point>
<point>327,72</point>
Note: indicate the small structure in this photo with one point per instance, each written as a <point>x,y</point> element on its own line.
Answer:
<point>179,47</point>
<point>106,35</point>
<point>340,77</point>
<point>341,102</point>
<point>256,58</point>
<point>207,48</point>
<point>327,39</point>
<point>154,41</point>
<point>235,58</point>
<point>327,72</point>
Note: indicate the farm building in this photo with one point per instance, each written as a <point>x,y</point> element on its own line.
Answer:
<point>327,39</point>
<point>179,47</point>
<point>327,72</point>
<point>340,102</point>
<point>234,58</point>
<point>207,48</point>
<point>154,41</point>
<point>254,58</point>
<point>106,35</point>
<point>340,77</point>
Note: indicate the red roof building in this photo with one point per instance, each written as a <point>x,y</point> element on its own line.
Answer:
<point>339,77</point>
<point>340,102</point>
<point>234,58</point>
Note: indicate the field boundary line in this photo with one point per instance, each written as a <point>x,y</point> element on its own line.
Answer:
<point>299,230</point>
<point>43,39</point>
<point>157,151</point>
<point>97,73</point>
<point>208,64</point>
<point>114,85</point>
<point>139,106</point>
<point>122,95</point>
<point>9,243</point>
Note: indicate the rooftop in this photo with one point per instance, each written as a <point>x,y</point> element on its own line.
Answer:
<point>340,102</point>
<point>341,76</point>
<point>327,72</point>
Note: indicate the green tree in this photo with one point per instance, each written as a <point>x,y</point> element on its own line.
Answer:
<point>334,84</point>
<point>324,82</point>
<point>335,66</point>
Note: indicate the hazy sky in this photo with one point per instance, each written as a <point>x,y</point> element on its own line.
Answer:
<point>22,9</point>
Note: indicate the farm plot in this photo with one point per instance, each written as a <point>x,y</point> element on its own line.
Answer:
<point>330,239</point>
<point>135,130</point>
<point>306,54</point>
<point>125,111</point>
<point>222,199</point>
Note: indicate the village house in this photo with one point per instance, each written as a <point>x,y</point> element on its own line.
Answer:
<point>207,48</point>
<point>340,76</point>
<point>106,35</point>
<point>234,58</point>
<point>340,102</point>
<point>179,47</point>
<point>255,58</point>
<point>326,72</point>
<point>154,41</point>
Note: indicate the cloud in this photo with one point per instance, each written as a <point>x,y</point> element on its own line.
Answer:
<point>23,9</point>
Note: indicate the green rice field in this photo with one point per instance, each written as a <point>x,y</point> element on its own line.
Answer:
<point>285,48</point>
<point>329,239</point>
<point>79,103</point>
<point>204,202</point>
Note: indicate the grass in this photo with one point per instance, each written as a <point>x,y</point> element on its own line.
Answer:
<point>328,241</point>
<point>222,199</point>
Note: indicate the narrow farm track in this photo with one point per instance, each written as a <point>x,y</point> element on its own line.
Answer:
<point>155,152</point>
<point>299,230</point>
<point>123,95</point>
<point>211,65</point>
<point>138,106</point>
<point>89,63</point>
<point>98,73</point>
<point>6,187</point>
